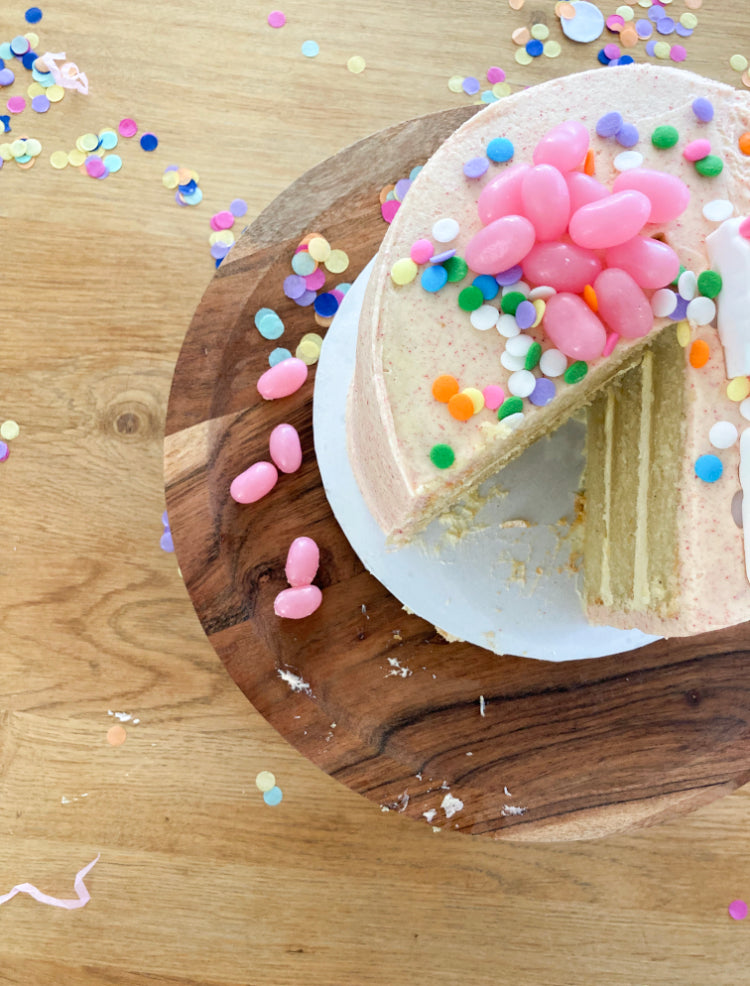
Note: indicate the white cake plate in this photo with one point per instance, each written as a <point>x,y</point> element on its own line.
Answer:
<point>496,571</point>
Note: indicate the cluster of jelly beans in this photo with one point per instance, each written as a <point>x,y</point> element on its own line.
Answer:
<point>302,598</point>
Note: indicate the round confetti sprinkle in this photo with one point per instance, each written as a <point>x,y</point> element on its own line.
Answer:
<point>444,387</point>
<point>442,456</point>
<point>523,57</point>
<point>108,140</point>
<point>356,64</point>
<point>40,104</point>
<point>662,49</point>
<point>587,23</point>
<point>476,167</point>
<point>389,209</point>
<point>678,53</point>
<point>495,74</point>
<point>445,230</point>
<point>476,397</point>
<point>76,158</point>
<point>113,163</point>
<point>737,910</point>
<point>738,389</point>
<point>116,735</point>
<point>303,264</point>
<point>326,304</point>
<point>20,45</point>
<point>434,278</point>
<point>501,89</point>
<point>336,262</point>
<point>470,85</point>
<point>500,149</point>
<point>127,127</point>
<point>265,780</point>
<point>16,104</point>
<point>510,276</point>
<point>277,355</point>
<point>277,18</point>
<point>456,269</point>
<point>543,392</point>
<point>512,405</point>
<point>525,314</point>
<point>689,20</point>
<point>552,48</point>
<point>534,48</point>
<point>33,15</point>
<point>456,83</point>
<point>421,251</point>
<point>273,797</point>
<point>521,36</point>
<point>9,430</point>
<point>723,434</point>
<point>270,326</point>
<point>709,283</point>
<point>708,468</point>
<point>310,49</point>
<point>6,77</point>
<point>461,407</point>
<point>238,208</point>
<point>701,310</point>
<point>470,299</point>
<point>149,142</point>
<point>508,327</point>
<point>487,285</point>
<point>553,363</point>
<point>738,63</point>
<point>493,396</point>
<point>59,160</point>
<point>404,271</point>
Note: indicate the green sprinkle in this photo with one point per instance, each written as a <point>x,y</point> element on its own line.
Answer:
<point>470,299</point>
<point>533,356</point>
<point>510,406</point>
<point>576,372</point>
<point>664,137</point>
<point>680,272</point>
<point>709,166</point>
<point>442,456</point>
<point>709,283</point>
<point>456,267</point>
<point>511,301</point>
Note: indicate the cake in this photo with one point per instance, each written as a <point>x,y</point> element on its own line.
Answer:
<point>619,281</point>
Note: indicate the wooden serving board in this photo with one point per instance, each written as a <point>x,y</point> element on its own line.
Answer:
<point>562,751</point>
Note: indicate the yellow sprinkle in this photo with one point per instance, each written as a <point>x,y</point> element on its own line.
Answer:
<point>308,352</point>
<point>738,63</point>
<point>523,57</point>
<point>9,430</point>
<point>683,333</point>
<point>76,158</point>
<point>627,13</point>
<point>88,142</point>
<point>18,147</point>
<point>403,271</point>
<point>170,179</point>
<point>552,48</point>
<point>33,147</point>
<point>476,397</point>
<point>221,236</point>
<point>501,89</point>
<point>59,160</point>
<point>5,152</point>
<point>662,49</point>
<point>35,90</point>
<point>54,93</point>
<point>540,304</point>
<point>319,248</point>
<point>336,262</point>
<point>689,20</point>
<point>738,389</point>
<point>540,32</point>
<point>356,64</point>
<point>456,83</point>
<point>265,781</point>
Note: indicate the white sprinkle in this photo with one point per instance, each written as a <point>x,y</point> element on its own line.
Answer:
<point>521,383</point>
<point>553,363</point>
<point>687,284</point>
<point>445,230</point>
<point>544,291</point>
<point>397,670</point>
<point>663,302</point>
<point>511,362</point>
<point>506,792</point>
<point>519,345</point>
<point>723,434</point>
<point>485,317</point>
<point>701,310</point>
<point>507,326</point>
<point>717,210</point>
<point>451,805</point>
<point>628,160</point>
<point>296,683</point>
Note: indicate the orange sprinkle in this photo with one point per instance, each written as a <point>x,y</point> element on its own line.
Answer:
<point>461,407</point>
<point>384,192</point>
<point>444,387</point>
<point>628,36</point>
<point>744,143</point>
<point>699,353</point>
<point>589,162</point>
<point>589,296</point>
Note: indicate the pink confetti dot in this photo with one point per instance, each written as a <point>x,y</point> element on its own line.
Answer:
<point>95,167</point>
<point>744,228</point>
<point>738,910</point>
<point>316,280</point>
<point>493,396</point>
<point>222,220</point>
<point>277,18</point>
<point>389,208</point>
<point>678,53</point>
<point>495,74</point>
<point>615,22</point>
<point>127,127</point>
<point>612,51</point>
<point>16,104</point>
<point>421,251</point>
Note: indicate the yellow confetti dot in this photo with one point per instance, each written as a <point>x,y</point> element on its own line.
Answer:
<point>59,159</point>
<point>265,781</point>
<point>5,152</point>
<point>644,3</point>
<point>552,48</point>
<point>689,20</point>
<point>319,248</point>
<point>76,158</point>
<point>738,63</point>
<point>540,32</point>
<point>456,83</point>
<point>476,397</point>
<point>356,64</point>
<point>87,142</point>
<point>35,90</point>
<point>9,430</point>
<point>738,389</point>
<point>403,271</point>
<point>626,12</point>
<point>55,93</point>
<point>18,147</point>
<point>662,49</point>
<point>540,304</point>
<point>308,352</point>
<point>170,179</point>
<point>33,147</point>
<point>683,333</point>
<point>221,236</point>
<point>523,57</point>
<point>501,89</point>
<point>312,337</point>
<point>33,38</point>
<point>336,262</point>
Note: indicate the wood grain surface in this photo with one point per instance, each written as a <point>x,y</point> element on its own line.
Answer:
<point>199,881</point>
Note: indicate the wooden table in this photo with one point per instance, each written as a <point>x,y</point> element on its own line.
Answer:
<point>199,880</point>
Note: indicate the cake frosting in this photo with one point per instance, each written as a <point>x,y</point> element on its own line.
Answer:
<point>410,337</point>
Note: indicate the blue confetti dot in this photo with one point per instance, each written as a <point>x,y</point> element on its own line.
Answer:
<point>487,285</point>
<point>708,468</point>
<point>488,96</point>
<point>434,278</point>
<point>277,355</point>
<point>33,15</point>
<point>626,60</point>
<point>165,541</point>
<point>500,149</point>
<point>273,796</point>
<point>326,304</point>
<point>28,59</point>
<point>310,49</point>
<point>602,57</point>
<point>149,142</point>
<point>4,451</point>
<point>534,48</point>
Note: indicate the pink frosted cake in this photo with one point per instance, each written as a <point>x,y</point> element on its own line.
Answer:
<point>579,244</point>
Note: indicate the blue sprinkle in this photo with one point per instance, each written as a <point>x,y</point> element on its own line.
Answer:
<point>609,125</point>
<point>33,15</point>
<point>277,355</point>
<point>625,60</point>
<point>273,796</point>
<point>500,149</point>
<point>487,285</point>
<point>534,48</point>
<point>149,142</point>
<point>434,278</point>
<point>708,468</point>
<point>627,136</point>
<point>602,57</point>
<point>326,304</point>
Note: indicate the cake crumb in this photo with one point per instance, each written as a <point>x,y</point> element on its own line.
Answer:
<point>451,805</point>
<point>398,670</point>
<point>294,681</point>
<point>482,706</point>
<point>513,810</point>
<point>429,815</point>
<point>518,522</point>
<point>449,637</point>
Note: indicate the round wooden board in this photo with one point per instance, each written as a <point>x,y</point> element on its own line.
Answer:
<point>562,751</point>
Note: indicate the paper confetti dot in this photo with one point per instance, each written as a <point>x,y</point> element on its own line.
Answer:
<point>149,142</point>
<point>116,735</point>
<point>265,781</point>
<point>273,797</point>
<point>310,49</point>
<point>33,15</point>
<point>738,910</point>
<point>356,64</point>
<point>9,430</point>
<point>277,18</point>
<point>4,451</point>
<point>127,127</point>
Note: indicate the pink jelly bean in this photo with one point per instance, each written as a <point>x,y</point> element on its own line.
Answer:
<point>696,150</point>
<point>284,446</point>
<point>546,201</point>
<point>583,189</point>
<point>283,379</point>
<point>254,483</point>
<point>564,146</point>
<point>623,307</point>
<point>610,221</point>
<point>572,327</point>
<point>298,602</point>
<point>499,246</point>
<point>302,561</point>
<point>502,196</point>
<point>669,195</point>
<point>562,266</point>
<point>651,263</point>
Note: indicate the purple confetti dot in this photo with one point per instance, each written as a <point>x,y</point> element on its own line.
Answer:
<point>543,392</point>
<point>6,77</point>
<point>643,29</point>
<point>684,32</point>
<point>656,12</point>
<point>294,286</point>
<point>680,309</point>
<point>525,315</point>
<point>306,299</point>
<point>665,25</point>
<point>510,276</point>
<point>476,167</point>
<point>470,85</point>
<point>165,520</point>
<point>650,46</point>
<point>165,541</point>
<point>440,258</point>
<point>178,199</point>
<point>627,136</point>
<point>4,451</point>
<point>238,208</point>
<point>40,103</point>
<point>219,250</point>
<point>401,187</point>
<point>609,125</point>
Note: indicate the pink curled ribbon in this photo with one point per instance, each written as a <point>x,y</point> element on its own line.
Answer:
<point>80,888</point>
<point>69,76</point>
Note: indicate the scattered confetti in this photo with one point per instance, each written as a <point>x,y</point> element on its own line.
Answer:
<point>265,781</point>
<point>116,735</point>
<point>277,18</point>
<point>310,49</point>
<point>149,142</point>
<point>356,64</point>
<point>738,910</point>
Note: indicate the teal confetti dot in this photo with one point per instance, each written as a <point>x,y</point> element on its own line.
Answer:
<point>113,163</point>
<point>273,796</point>
<point>277,355</point>
<point>270,326</point>
<point>708,468</point>
<point>108,140</point>
<point>310,49</point>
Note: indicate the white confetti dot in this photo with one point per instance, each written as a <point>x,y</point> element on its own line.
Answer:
<point>521,383</point>
<point>513,420</point>
<point>723,434</point>
<point>520,286</point>
<point>445,230</point>
<point>507,326</point>
<point>687,284</point>
<point>544,291</point>
<point>717,210</point>
<point>745,409</point>
<point>511,362</point>
<point>519,346</point>
<point>701,311</point>
<point>663,302</point>
<point>628,160</point>
<point>553,363</point>
<point>485,317</point>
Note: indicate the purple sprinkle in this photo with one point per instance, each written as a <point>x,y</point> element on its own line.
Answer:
<point>238,208</point>
<point>684,32</point>
<point>656,12</point>
<point>306,299</point>
<point>703,109</point>
<point>628,135</point>
<point>165,541</point>
<point>4,451</point>
<point>172,167</point>
<point>650,46</point>
<point>219,250</point>
<point>294,286</point>
<point>543,392</point>
<point>680,310</point>
<point>6,77</point>
<point>609,125</point>
<point>470,85</point>
<point>525,315</point>
<point>178,199</point>
<point>40,103</point>
<point>643,29</point>
<point>665,25</point>
<point>401,188</point>
<point>510,276</point>
<point>440,258</point>
<point>165,521</point>
<point>476,167</point>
